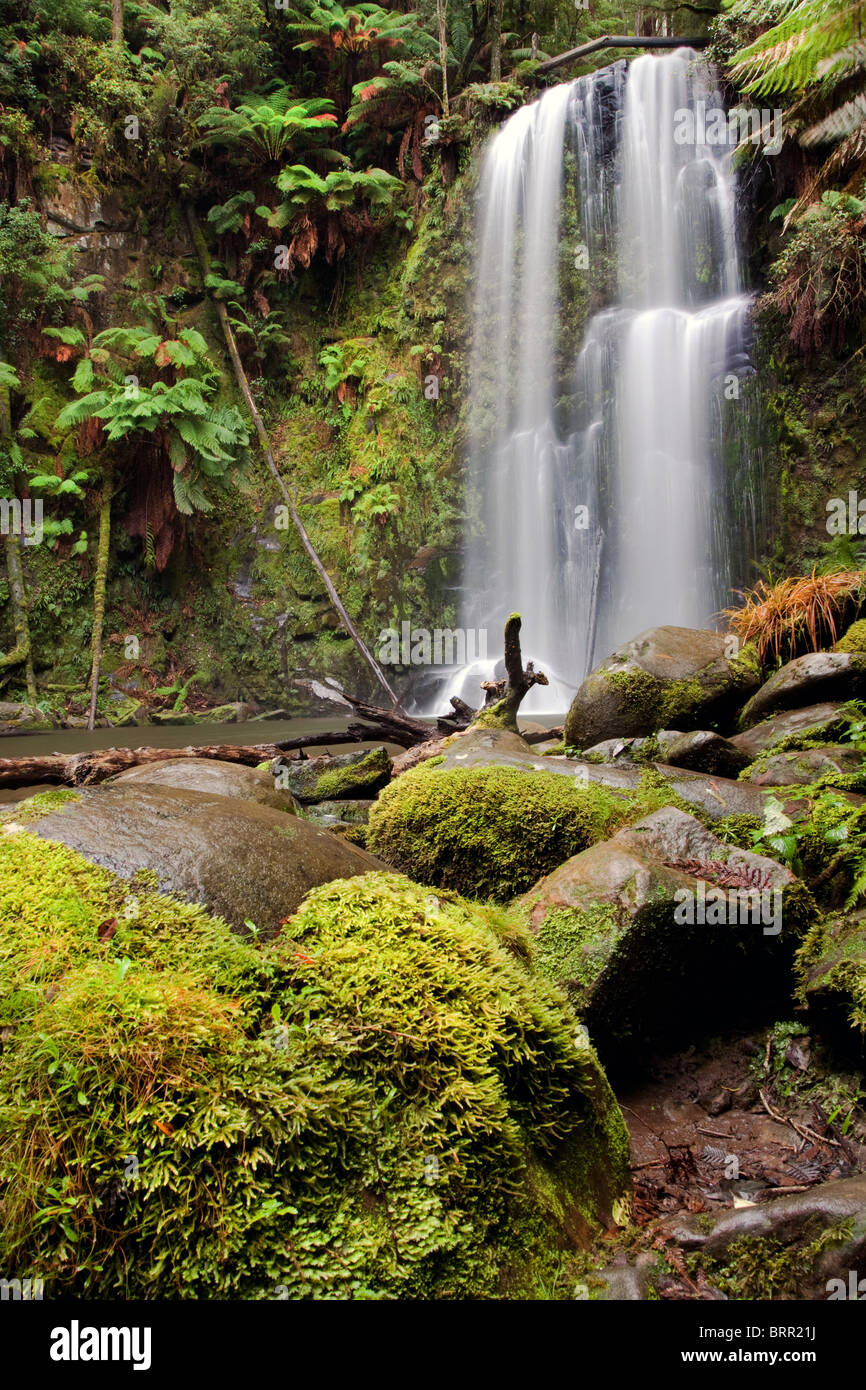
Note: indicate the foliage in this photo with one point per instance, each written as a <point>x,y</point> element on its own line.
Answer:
<point>788,617</point>
<point>266,126</point>
<point>165,1086</point>
<point>818,282</point>
<point>204,442</point>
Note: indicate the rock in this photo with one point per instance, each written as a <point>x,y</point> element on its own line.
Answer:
<point>717,796</point>
<point>704,751</point>
<point>796,1221</point>
<point>623,1282</point>
<point>831,965</point>
<point>620,927</point>
<point>209,775</point>
<point>339,813</point>
<point>170,716</point>
<point>240,860</point>
<point>818,676</point>
<point>614,750</point>
<point>282,714</point>
<point>801,768</point>
<point>235,712</point>
<point>665,675</point>
<point>22,719</point>
<point>343,778</point>
<point>816,721</point>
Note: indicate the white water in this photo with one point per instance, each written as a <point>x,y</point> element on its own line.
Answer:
<point>649,427</point>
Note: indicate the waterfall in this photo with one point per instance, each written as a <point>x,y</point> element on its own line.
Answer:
<point>612,482</point>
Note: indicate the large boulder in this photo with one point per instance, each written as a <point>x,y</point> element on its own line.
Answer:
<point>383,1103</point>
<point>795,726</point>
<point>703,750</point>
<point>242,861</point>
<point>208,775</point>
<point>666,677</point>
<point>818,676</point>
<point>664,928</point>
<point>716,797</point>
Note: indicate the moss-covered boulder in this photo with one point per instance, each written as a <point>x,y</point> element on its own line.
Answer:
<point>663,929</point>
<point>488,832</point>
<point>382,1103</point>
<point>344,777</point>
<point>797,728</point>
<point>22,719</point>
<point>667,677</point>
<point>841,763</point>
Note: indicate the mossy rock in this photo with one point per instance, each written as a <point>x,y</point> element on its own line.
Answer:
<point>347,776</point>
<point>382,1103</point>
<point>854,640</point>
<point>488,832</point>
<point>831,966</point>
<point>667,677</point>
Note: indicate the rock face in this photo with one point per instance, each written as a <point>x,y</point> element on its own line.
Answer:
<point>817,676</point>
<point>665,676</point>
<point>803,767</point>
<point>209,775</point>
<point>343,778</point>
<point>660,927</point>
<point>816,721</point>
<point>240,860</point>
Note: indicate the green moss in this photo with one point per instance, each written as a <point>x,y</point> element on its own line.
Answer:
<point>366,774</point>
<point>766,1268</point>
<point>488,832</point>
<point>854,639</point>
<point>639,693</point>
<point>35,807</point>
<point>383,1102</point>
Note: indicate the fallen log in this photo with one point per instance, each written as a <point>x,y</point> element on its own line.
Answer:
<point>618,41</point>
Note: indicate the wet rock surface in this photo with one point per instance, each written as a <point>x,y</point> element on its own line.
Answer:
<point>817,676</point>
<point>208,775</point>
<point>241,860</point>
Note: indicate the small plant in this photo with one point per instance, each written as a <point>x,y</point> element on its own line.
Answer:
<point>789,617</point>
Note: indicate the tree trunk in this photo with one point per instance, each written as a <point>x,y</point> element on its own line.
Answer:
<point>22,651</point>
<point>502,713</point>
<point>496,41</point>
<point>264,440</point>
<point>442,20</point>
<point>99,584</point>
<point>117,21</point>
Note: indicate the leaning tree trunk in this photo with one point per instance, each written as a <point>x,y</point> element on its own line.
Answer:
<point>99,585</point>
<point>264,440</point>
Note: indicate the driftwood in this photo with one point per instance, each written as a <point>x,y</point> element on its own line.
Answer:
<point>617,41</point>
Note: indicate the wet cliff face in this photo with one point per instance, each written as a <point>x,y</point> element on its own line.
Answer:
<point>363,396</point>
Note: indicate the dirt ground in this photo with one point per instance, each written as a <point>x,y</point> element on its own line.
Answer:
<point>710,1131</point>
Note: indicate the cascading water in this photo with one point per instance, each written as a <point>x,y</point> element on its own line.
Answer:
<point>611,486</point>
